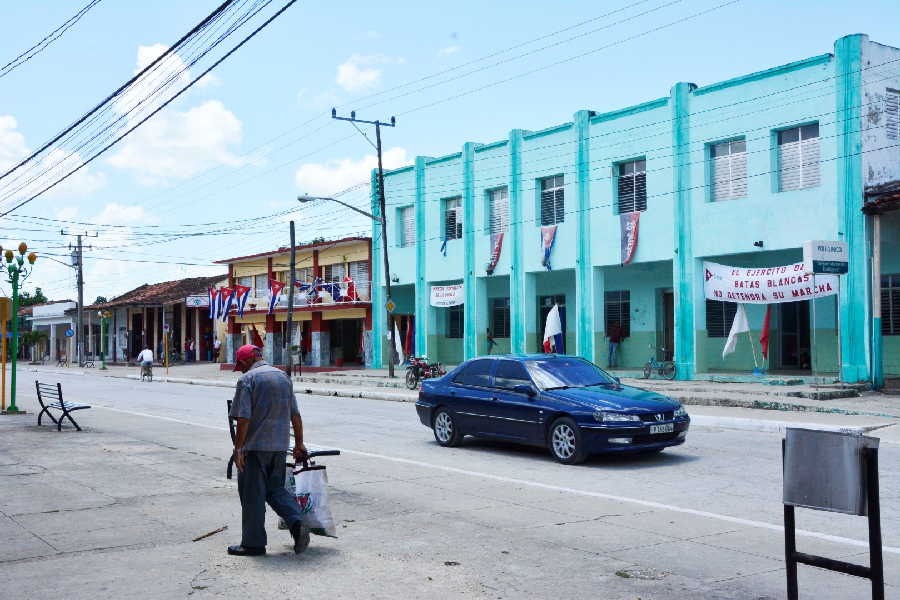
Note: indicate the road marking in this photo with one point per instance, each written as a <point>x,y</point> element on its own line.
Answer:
<point>558,488</point>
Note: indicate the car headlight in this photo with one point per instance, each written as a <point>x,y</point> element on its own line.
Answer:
<point>680,412</point>
<point>613,417</point>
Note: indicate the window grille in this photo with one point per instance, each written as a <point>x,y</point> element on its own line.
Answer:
<point>719,317</point>
<point>798,158</point>
<point>553,200</point>
<point>729,170</point>
<point>632,186</point>
<point>408,223</point>
<point>892,114</point>
<point>499,210</point>
<point>453,218</point>
<point>618,310</point>
<point>890,304</point>
<point>455,321</point>
<point>500,317</point>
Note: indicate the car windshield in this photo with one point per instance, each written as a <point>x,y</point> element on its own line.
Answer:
<point>561,373</point>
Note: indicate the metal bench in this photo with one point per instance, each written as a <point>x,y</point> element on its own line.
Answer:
<point>232,428</point>
<point>51,397</point>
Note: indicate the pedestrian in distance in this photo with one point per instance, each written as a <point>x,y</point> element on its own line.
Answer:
<point>265,408</point>
<point>217,346</point>
<point>615,334</point>
<point>145,358</point>
<point>490,340</point>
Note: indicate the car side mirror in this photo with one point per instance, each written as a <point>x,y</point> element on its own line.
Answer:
<point>524,389</point>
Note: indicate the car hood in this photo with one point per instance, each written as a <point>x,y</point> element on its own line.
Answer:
<point>624,398</point>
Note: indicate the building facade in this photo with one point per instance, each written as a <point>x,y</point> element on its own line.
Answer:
<point>739,172</point>
<point>332,303</point>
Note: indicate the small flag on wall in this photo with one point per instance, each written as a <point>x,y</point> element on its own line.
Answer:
<point>548,237</point>
<point>629,222</point>
<point>496,247</point>
<point>241,293</point>
<point>275,288</point>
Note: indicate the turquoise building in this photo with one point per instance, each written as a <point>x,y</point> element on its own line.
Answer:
<point>739,172</point>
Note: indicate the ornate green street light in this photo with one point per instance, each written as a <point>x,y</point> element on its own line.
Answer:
<point>17,272</point>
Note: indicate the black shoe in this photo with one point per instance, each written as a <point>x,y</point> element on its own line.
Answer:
<point>245,551</point>
<point>301,537</point>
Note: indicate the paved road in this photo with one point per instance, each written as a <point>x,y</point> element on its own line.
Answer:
<point>701,520</point>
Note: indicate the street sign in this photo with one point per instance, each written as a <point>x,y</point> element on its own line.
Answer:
<point>390,306</point>
<point>70,333</point>
<point>823,256</point>
<point>5,309</point>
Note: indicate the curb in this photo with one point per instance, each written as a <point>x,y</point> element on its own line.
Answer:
<point>765,426</point>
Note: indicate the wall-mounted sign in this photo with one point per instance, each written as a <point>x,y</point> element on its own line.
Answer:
<point>765,285</point>
<point>822,256</point>
<point>447,295</point>
<point>197,301</point>
<point>70,333</point>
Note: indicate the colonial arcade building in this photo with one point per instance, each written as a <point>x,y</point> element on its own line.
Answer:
<point>615,215</point>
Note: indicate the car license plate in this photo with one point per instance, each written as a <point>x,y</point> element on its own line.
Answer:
<point>665,428</point>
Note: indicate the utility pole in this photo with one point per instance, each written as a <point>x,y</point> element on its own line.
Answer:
<point>387,265</point>
<point>290,312</point>
<point>79,265</point>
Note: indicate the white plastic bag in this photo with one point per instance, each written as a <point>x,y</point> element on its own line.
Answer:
<point>311,493</point>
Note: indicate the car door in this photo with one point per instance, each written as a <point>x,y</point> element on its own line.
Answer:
<point>517,415</point>
<point>472,396</point>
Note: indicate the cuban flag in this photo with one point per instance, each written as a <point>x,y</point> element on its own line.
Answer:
<point>548,237</point>
<point>275,288</point>
<point>553,333</point>
<point>333,289</point>
<point>226,299</point>
<point>213,303</point>
<point>241,293</point>
<point>348,291</point>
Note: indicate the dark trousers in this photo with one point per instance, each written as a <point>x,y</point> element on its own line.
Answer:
<point>261,481</point>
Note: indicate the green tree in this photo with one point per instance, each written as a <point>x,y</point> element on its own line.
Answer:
<point>101,300</point>
<point>29,299</point>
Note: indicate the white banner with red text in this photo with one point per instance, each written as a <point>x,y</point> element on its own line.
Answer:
<point>766,285</point>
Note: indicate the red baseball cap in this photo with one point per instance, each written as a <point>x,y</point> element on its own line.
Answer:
<point>243,353</point>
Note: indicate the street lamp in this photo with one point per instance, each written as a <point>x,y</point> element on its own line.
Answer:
<point>17,272</point>
<point>387,265</point>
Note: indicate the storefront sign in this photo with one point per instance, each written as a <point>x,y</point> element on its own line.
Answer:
<point>447,295</point>
<point>822,256</point>
<point>765,285</point>
<point>197,301</point>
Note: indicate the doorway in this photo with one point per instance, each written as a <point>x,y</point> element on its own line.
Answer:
<point>346,341</point>
<point>668,325</point>
<point>794,328</point>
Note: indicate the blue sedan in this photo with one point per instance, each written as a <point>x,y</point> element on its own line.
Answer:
<point>563,403</point>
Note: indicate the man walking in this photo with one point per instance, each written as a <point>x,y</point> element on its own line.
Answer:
<point>264,406</point>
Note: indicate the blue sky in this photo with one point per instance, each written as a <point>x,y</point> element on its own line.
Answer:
<point>251,138</point>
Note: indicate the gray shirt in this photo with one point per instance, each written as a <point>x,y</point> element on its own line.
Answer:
<point>265,396</point>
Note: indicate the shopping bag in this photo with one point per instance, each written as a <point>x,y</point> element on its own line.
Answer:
<point>311,493</point>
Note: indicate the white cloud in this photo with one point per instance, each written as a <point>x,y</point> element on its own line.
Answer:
<point>360,72</point>
<point>317,100</point>
<point>320,179</point>
<point>67,213</point>
<point>449,50</point>
<point>124,214</point>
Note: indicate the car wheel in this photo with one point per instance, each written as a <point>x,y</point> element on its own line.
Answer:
<point>647,371</point>
<point>412,382</point>
<point>565,442</point>
<point>668,371</point>
<point>445,430</point>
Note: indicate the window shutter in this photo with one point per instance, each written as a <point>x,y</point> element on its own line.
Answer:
<point>359,273</point>
<point>729,170</point>
<point>892,114</point>
<point>408,217</point>
<point>632,186</point>
<point>738,165</point>
<point>810,152</point>
<point>890,304</point>
<point>500,317</point>
<point>453,218</point>
<point>618,310</point>
<point>789,166</point>
<point>553,205</point>
<point>719,316</point>
<point>499,210</point>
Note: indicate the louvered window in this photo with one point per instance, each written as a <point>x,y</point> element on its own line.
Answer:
<point>359,273</point>
<point>798,158</point>
<point>500,317</point>
<point>632,186</point>
<point>333,272</point>
<point>408,226</point>
<point>261,285</point>
<point>890,304</point>
<point>553,200</point>
<point>499,210</point>
<point>729,169</point>
<point>719,316</point>
<point>246,281</point>
<point>455,321</point>
<point>453,218</point>
<point>618,311</point>
<point>892,114</point>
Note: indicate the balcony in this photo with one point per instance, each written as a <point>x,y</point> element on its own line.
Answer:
<point>319,293</point>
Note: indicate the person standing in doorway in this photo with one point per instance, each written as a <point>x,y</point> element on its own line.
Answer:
<point>265,408</point>
<point>615,334</point>
<point>490,340</point>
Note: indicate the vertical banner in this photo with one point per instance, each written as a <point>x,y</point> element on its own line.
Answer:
<point>496,247</point>
<point>275,288</point>
<point>548,237</point>
<point>629,222</point>
<point>213,303</point>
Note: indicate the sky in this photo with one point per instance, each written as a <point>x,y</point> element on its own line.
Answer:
<point>256,132</point>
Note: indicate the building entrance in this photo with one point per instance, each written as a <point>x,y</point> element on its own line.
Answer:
<point>794,329</point>
<point>346,341</point>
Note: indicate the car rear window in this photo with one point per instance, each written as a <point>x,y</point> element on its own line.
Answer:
<point>509,374</point>
<point>477,372</point>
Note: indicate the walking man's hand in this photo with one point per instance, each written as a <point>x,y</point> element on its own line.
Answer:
<point>239,460</point>
<point>300,453</point>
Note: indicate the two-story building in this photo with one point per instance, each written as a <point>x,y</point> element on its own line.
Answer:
<point>615,216</point>
<point>332,313</point>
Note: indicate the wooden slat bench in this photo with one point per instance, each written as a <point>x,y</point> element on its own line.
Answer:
<point>51,397</point>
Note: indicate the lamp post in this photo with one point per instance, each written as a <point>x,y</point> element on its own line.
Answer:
<point>17,272</point>
<point>387,264</point>
<point>104,342</point>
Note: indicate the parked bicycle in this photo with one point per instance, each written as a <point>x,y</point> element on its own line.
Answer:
<point>419,368</point>
<point>665,368</point>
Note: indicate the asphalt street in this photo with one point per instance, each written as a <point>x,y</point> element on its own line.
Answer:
<point>700,520</point>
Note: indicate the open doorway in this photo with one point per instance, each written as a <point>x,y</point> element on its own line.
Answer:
<point>668,325</point>
<point>793,318</point>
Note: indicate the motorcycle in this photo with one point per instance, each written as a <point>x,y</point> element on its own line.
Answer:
<point>419,368</point>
